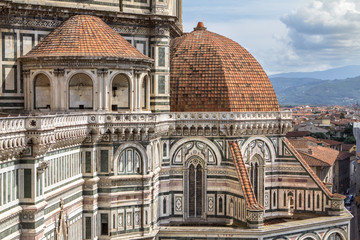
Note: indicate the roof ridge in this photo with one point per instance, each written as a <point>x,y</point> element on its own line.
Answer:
<point>244,177</point>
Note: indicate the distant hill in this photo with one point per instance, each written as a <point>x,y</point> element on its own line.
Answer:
<point>331,74</point>
<point>307,91</point>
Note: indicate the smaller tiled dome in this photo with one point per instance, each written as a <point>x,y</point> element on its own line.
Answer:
<point>87,37</point>
<point>210,72</point>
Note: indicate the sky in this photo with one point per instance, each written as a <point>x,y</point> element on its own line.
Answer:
<point>285,35</point>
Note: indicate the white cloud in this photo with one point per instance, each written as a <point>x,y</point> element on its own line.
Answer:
<point>317,35</point>
<point>326,31</point>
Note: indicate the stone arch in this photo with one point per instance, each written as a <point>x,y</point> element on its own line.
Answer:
<point>264,139</point>
<point>213,147</point>
<point>81,91</point>
<point>42,91</point>
<point>136,146</point>
<point>121,97</point>
<point>309,236</point>
<point>340,233</point>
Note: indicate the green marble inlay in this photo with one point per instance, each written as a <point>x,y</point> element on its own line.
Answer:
<point>161,85</point>
<point>161,56</point>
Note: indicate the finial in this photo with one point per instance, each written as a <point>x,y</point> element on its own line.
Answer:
<point>200,26</point>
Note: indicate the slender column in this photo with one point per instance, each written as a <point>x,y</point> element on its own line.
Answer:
<point>136,91</point>
<point>59,90</point>
<point>106,85</point>
<point>148,86</point>
<point>100,90</point>
<point>27,90</point>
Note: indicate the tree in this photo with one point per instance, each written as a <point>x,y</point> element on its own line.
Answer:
<point>342,115</point>
<point>350,140</point>
<point>318,135</point>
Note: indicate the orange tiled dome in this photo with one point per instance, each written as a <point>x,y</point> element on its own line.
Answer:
<point>85,36</point>
<point>210,72</point>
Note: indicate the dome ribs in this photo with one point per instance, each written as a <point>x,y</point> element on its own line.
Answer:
<point>217,74</point>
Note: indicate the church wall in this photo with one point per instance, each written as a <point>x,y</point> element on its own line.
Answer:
<point>15,42</point>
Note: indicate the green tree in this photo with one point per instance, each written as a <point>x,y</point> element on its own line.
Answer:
<point>350,140</point>
<point>318,135</point>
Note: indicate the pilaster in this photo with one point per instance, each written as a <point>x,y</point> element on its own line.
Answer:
<point>59,91</point>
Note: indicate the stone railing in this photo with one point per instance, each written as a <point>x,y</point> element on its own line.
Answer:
<point>48,122</point>
<point>12,124</point>
<point>15,132</point>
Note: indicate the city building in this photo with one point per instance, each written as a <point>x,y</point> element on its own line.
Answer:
<point>146,134</point>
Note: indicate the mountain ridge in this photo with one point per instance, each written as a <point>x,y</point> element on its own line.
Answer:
<point>310,91</point>
<point>344,72</point>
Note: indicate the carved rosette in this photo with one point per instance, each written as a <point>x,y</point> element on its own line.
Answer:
<point>337,207</point>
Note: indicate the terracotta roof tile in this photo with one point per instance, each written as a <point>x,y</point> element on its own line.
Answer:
<point>344,155</point>
<point>313,162</point>
<point>330,142</point>
<point>210,72</point>
<point>324,154</point>
<point>85,36</point>
<point>297,134</point>
<point>244,177</point>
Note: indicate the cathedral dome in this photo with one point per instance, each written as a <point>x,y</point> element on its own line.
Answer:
<point>85,36</point>
<point>211,73</point>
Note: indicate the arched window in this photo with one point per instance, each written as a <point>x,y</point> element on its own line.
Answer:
<point>256,179</point>
<point>42,92</point>
<point>164,205</point>
<point>290,196</point>
<point>80,92</point>
<point>220,204</point>
<point>146,217</point>
<point>130,162</point>
<point>195,192</point>
<point>284,200</point>
<point>231,208</point>
<point>300,200</point>
<point>120,98</point>
<point>274,199</point>
<point>318,201</point>
<point>164,150</point>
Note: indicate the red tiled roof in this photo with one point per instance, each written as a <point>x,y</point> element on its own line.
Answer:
<point>347,147</point>
<point>244,177</point>
<point>302,143</point>
<point>85,36</point>
<point>313,162</point>
<point>210,72</point>
<point>312,139</point>
<point>330,142</point>
<point>297,134</point>
<point>344,155</point>
<point>318,153</point>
